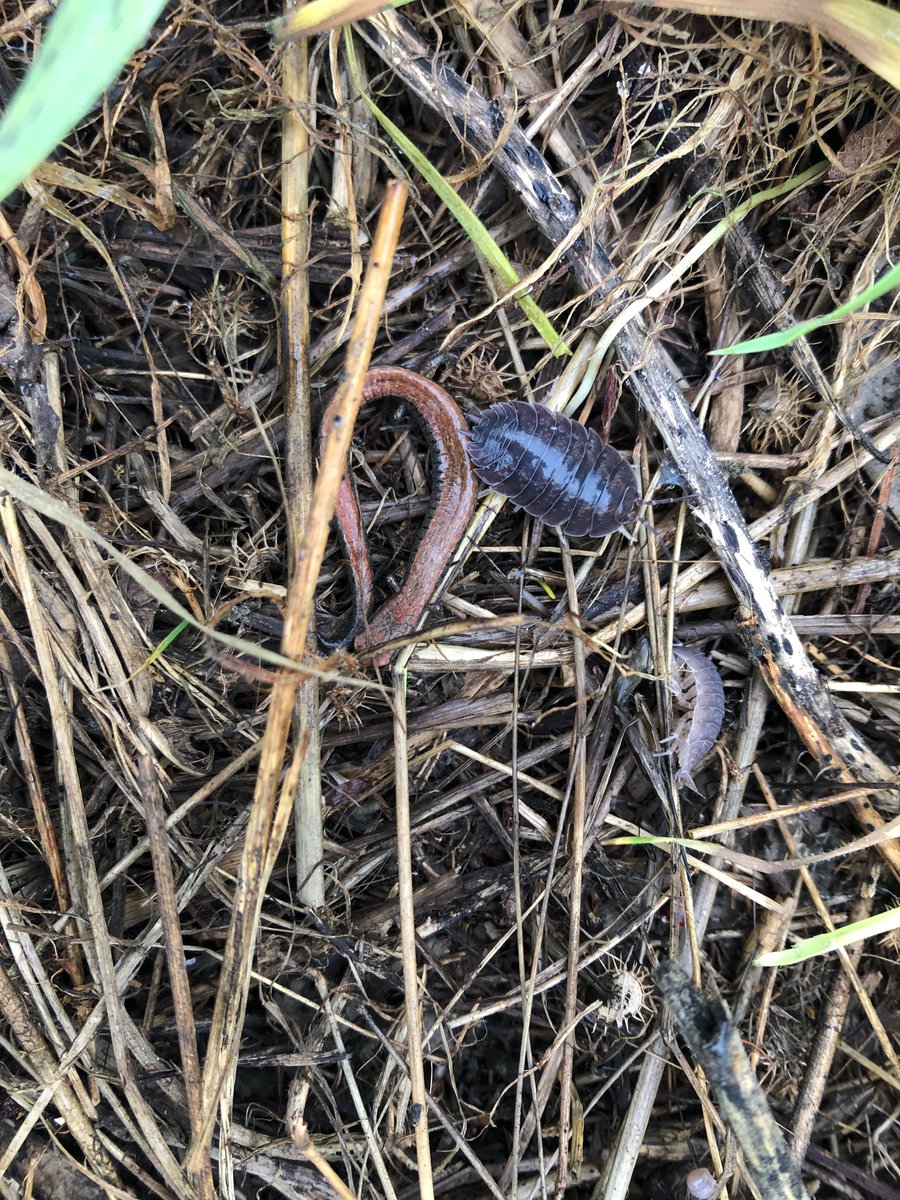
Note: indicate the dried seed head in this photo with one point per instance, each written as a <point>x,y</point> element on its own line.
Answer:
<point>776,416</point>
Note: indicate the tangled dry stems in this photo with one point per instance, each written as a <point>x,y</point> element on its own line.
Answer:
<point>163,427</point>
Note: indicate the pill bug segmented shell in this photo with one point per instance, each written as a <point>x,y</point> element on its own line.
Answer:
<point>554,468</point>
<point>702,694</point>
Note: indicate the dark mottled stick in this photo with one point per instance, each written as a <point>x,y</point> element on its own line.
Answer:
<point>705,1024</point>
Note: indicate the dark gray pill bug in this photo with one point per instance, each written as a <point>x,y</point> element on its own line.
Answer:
<point>554,468</point>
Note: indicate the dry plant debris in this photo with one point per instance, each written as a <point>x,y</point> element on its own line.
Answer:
<point>164,339</point>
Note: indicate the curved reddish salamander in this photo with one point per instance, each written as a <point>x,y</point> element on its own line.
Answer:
<point>454,493</point>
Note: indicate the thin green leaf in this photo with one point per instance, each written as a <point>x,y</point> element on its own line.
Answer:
<point>868,30</point>
<point>167,641</point>
<point>472,226</point>
<point>774,341</point>
<point>825,943</point>
<point>649,839</point>
<point>86,43</point>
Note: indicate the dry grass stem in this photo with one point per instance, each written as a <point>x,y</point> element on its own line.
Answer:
<point>285,924</point>
<point>296,240</point>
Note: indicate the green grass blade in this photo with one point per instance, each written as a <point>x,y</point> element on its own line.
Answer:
<point>86,43</point>
<point>825,943</point>
<point>166,642</point>
<point>868,30</point>
<point>784,337</point>
<point>475,230</point>
<point>652,839</point>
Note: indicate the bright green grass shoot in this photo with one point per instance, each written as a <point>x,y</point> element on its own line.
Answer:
<point>826,943</point>
<point>774,341</point>
<point>85,45</point>
<point>167,641</point>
